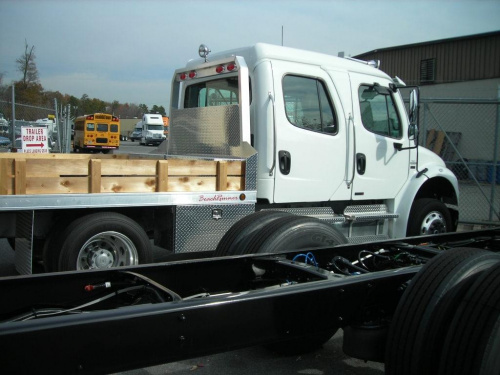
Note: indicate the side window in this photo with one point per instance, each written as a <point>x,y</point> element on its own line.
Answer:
<point>307,104</point>
<point>378,111</point>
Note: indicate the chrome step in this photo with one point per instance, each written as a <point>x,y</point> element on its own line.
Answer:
<point>364,239</point>
<point>368,212</point>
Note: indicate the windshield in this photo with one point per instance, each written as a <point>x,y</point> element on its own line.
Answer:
<point>218,92</point>
<point>155,127</point>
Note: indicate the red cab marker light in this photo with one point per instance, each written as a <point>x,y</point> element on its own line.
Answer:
<point>220,69</point>
<point>182,76</point>
<point>231,67</point>
<point>192,74</point>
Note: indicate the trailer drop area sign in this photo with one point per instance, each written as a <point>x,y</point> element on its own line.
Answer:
<point>34,140</point>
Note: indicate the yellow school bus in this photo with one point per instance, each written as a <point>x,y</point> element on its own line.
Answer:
<point>96,132</point>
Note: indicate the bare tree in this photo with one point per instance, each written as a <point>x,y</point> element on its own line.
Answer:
<point>27,66</point>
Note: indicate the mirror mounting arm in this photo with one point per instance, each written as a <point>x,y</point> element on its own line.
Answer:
<point>399,147</point>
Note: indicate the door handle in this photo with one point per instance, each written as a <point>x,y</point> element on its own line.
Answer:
<point>361,163</point>
<point>285,162</point>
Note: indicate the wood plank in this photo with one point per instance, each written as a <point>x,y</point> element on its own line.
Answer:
<point>94,176</point>
<point>128,184</point>
<point>162,173</point>
<point>181,167</point>
<point>20,177</point>
<point>80,185</point>
<point>242,182</point>
<point>5,176</point>
<point>59,167</point>
<point>221,179</point>
<point>62,185</point>
<point>129,167</point>
<point>236,168</point>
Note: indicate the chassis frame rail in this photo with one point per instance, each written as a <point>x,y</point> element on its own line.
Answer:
<point>120,319</point>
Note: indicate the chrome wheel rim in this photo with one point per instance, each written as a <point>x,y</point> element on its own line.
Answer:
<point>433,223</point>
<point>107,250</point>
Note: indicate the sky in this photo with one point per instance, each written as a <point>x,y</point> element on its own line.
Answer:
<point>127,50</point>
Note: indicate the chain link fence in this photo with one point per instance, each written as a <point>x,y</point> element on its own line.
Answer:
<point>31,116</point>
<point>465,133</point>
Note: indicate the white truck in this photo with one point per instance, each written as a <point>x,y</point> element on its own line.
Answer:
<point>152,130</point>
<point>317,149</point>
<point>137,132</point>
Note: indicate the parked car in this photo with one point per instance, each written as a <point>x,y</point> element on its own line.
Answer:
<point>4,141</point>
<point>135,135</point>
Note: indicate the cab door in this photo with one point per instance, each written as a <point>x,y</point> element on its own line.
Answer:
<point>380,126</point>
<point>310,132</point>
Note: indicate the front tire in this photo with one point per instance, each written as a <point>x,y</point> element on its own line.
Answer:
<point>103,240</point>
<point>428,216</point>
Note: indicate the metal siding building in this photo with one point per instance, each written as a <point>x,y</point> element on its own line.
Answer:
<point>467,58</point>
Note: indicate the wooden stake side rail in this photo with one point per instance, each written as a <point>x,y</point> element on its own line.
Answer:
<point>80,174</point>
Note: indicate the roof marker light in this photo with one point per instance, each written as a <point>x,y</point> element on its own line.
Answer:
<point>192,74</point>
<point>220,69</point>
<point>182,76</point>
<point>231,67</point>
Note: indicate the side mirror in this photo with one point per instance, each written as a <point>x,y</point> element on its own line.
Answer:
<point>413,132</point>
<point>413,113</point>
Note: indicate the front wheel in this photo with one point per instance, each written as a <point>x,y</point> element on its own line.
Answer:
<point>428,216</point>
<point>103,240</point>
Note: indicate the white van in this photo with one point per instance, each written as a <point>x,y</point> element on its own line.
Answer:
<point>152,130</point>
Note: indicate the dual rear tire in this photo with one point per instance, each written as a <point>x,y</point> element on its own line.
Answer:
<point>437,327</point>
<point>276,231</point>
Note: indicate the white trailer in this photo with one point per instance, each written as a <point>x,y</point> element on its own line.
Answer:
<point>283,132</point>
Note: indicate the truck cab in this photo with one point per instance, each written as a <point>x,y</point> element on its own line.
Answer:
<point>331,133</point>
<point>152,130</point>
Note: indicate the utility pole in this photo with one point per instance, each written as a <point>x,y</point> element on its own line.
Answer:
<point>13,115</point>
